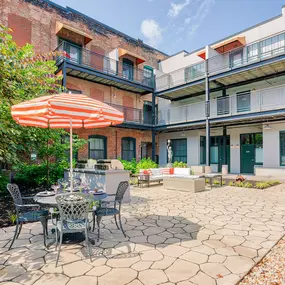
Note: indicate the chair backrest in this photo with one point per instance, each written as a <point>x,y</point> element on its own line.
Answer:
<point>122,188</point>
<point>15,193</point>
<point>73,207</point>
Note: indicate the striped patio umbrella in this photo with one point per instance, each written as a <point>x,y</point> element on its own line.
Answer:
<point>66,111</point>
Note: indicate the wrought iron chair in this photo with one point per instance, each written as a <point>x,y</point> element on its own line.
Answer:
<point>26,212</point>
<point>73,210</point>
<point>115,210</point>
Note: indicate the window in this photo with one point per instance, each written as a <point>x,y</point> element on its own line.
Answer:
<point>252,52</point>
<point>272,45</point>
<point>243,102</point>
<point>97,147</point>
<point>179,149</point>
<point>223,105</point>
<point>148,75</point>
<point>194,71</point>
<point>73,50</point>
<point>236,58</point>
<point>282,148</point>
<point>128,69</point>
<point>128,148</point>
<point>202,150</point>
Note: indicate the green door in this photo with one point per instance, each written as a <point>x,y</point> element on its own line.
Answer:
<point>247,158</point>
<point>221,156</point>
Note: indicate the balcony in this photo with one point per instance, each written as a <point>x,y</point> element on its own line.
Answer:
<point>134,115</point>
<point>239,106</point>
<point>85,64</point>
<point>253,62</point>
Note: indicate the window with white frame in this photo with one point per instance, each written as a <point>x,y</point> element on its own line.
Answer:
<point>194,71</point>
<point>252,52</point>
<point>272,46</point>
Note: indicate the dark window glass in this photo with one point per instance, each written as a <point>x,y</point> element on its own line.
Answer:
<point>282,148</point>
<point>243,102</point>
<point>97,147</point>
<point>128,69</point>
<point>128,148</point>
<point>202,150</point>
<point>223,106</point>
<point>179,148</point>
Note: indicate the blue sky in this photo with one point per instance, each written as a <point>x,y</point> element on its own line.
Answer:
<point>174,25</point>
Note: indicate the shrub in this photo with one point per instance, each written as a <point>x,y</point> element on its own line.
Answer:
<point>273,182</point>
<point>146,163</point>
<point>247,185</point>
<point>179,164</point>
<point>231,183</point>
<point>262,185</point>
<point>239,184</point>
<point>3,183</point>
<point>33,175</point>
<point>130,165</point>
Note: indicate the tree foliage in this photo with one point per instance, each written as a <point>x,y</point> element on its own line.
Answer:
<point>25,75</point>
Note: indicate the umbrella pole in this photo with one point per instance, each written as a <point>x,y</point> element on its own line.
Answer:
<point>71,157</point>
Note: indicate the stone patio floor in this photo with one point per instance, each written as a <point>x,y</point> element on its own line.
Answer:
<point>212,237</point>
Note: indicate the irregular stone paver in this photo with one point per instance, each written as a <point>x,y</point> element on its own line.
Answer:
<point>187,239</point>
<point>181,270</point>
<point>152,277</point>
<point>118,276</point>
<point>85,280</point>
<point>76,268</point>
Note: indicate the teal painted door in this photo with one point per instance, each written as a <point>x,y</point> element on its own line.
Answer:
<point>221,158</point>
<point>247,158</point>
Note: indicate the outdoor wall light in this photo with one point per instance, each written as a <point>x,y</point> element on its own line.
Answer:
<point>266,127</point>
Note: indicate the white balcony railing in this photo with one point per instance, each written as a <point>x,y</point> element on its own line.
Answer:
<point>241,103</point>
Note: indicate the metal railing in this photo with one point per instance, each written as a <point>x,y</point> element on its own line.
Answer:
<point>250,53</point>
<point>248,102</point>
<point>107,65</point>
<point>133,115</point>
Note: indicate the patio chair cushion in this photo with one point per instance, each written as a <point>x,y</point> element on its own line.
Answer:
<point>72,226</point>
<point>103,211</point>
<point>32,216</point>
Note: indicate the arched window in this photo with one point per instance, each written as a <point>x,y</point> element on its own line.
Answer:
<point>97,147</point>
<point>128,148</point>
<point>128,69</point>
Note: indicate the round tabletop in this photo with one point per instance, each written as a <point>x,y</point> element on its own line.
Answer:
<point>50,200</point>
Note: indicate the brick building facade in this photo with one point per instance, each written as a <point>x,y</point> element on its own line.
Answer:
<point>103,63</point>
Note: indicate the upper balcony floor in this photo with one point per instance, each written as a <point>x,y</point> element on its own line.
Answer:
<point>245,64</point>
<point>246,105</point>
<point>123,74</point>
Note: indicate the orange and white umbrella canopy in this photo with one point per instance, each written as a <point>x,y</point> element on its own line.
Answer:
<point>57,111</point>
<point>66,111</point>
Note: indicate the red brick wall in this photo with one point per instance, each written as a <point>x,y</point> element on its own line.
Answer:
<point>21,29</point>
<point>114,139</point>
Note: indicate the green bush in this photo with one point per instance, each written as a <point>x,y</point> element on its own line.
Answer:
<point>32,175</point>
<point>273,182</point>
<point>239,184</point>
<point>3,183</point>
<point>146,163</point>
<point>231,183</point>
<point>247,185</point>
<point>179,164</point>
<point>130,165</point>
<point>262,185</point>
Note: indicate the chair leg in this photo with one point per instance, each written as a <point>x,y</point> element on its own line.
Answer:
<point>15,235</point>
<point>46,226</point>
<point>115,216</point>
<point>87,244</point>
<point>94,217</point>
<point>56,238</point>
<point>120,221</point>
<point>98,225</point>
<point>60,242</point>
<point>21,224</point>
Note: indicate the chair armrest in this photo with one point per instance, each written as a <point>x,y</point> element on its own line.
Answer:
<point>26,198</point>
<point>27,205</point>
<point>111,194</point>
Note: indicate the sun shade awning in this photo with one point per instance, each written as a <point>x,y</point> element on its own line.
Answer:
<point>229,45</point>
<point>202,54</point>
<point>60,27</point>
<point>138,58</point>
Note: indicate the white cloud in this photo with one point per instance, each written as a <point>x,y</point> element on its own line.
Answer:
<point>175,9</point>
<point>193,23</point>
<point>152,32</point>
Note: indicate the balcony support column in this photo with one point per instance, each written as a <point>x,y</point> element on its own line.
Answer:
<point>225,160</point>
<point>207,113</point>
<point>153,145</point>
<point>64,74</point>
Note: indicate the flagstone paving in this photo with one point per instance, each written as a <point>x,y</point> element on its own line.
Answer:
<point>209,238</point>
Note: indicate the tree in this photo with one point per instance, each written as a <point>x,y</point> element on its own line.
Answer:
<point>25,75</point>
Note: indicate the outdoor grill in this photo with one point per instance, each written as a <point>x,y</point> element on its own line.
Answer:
<point>108,164</point>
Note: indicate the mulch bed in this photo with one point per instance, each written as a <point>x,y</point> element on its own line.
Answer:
<point>270,270</point>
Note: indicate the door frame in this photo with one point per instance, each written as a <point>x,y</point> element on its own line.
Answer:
<point>255,163</point>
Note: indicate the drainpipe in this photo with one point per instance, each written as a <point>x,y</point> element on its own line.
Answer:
<point>64,74</point>
<point>224,136</point>
<point>207,109</point>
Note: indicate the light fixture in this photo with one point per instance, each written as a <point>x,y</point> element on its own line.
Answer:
<point>183,134</point>
<point>266,127</point>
